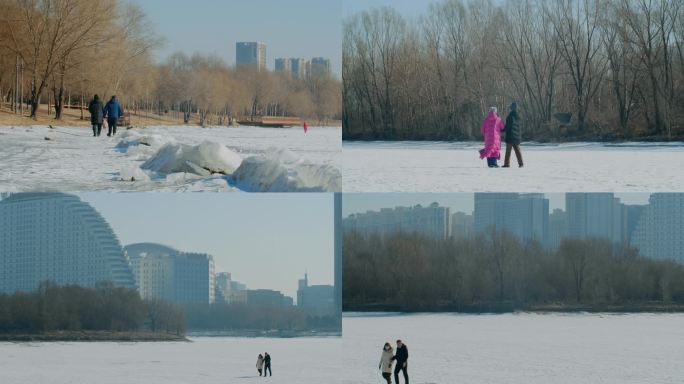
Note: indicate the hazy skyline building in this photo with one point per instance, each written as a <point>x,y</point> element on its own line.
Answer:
<point>558,228</point>
<point>525,216</point>
<point>319,66</point>
<point>594,215</point>
<point>268,297</point>
<point>57,237</point>
<point>298,68</point>
<point>659,233</point>
<point>165,273</point>
<point>223,286</point>
<point>315,299</point>
<point>282,65</point>
<point>432,221</point>
<point>251,53</point>
<point>461,225</point>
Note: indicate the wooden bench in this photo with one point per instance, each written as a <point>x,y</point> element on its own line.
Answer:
<point>124,120</point>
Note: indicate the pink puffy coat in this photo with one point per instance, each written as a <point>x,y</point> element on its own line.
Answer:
<point>491,130</point>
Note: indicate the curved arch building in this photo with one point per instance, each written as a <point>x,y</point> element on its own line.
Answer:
<point>57,237</point>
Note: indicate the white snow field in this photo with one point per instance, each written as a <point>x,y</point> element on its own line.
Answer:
<point>183,158</point>
<point>523,348</point>
<point>206,360</point>
<point>456,167</point>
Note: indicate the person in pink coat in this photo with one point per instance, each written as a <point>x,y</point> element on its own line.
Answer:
<point>491,129</point>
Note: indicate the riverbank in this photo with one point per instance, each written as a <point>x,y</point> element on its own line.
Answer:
<point>91,336</point>
<point>648,307</point>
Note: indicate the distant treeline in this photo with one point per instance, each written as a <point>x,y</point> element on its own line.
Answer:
<point>409,272</point>
<point>615,67</point>
<point>73,49</point>
<point>228,317</point>
<point>75,308</point>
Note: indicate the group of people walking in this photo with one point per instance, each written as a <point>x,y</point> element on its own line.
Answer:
<point>108,113</point>
<point>491,130</point>
<point>389,357</point>
<point>263,364</point>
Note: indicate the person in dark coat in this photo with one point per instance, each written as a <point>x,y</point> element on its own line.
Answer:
<point>112,112</point>
<point>401,357</point>
<point>96,114</point>
<point>513,136</point>
<point>267,364</point>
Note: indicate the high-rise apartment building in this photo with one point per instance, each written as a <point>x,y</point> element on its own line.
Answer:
<point>319,66</point>
<point>461,225</point>
<point>594,215</point>
<point>298,68</point>
<point>432,221</point>
<point>659,233</point>
<point>165,273</point>
<point>282,65</point>
<point>57,237</point>
<point>525,216</point>
<point>251,53</point>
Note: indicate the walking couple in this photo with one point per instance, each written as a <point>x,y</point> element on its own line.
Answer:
<point>98,113</point>
<point>388,357</point>
<point>491,130</point>
<point>264,364</point>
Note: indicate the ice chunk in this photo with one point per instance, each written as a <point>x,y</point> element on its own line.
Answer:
<point>142,143</point>
<point>133,173</point>
<point>270,174</point>
<point>180,177</point>
<point>209,156</point>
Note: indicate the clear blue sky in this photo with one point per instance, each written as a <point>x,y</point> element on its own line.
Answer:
<point>264,240</point>
<point>290,28</point>
<point>362,202</point>
<point>405,7</point>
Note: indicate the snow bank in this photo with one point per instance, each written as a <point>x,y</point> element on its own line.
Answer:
<point>281,171</point>
<point>203,159</point>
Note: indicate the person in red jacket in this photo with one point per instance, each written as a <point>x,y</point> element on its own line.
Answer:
<point>491,130</point>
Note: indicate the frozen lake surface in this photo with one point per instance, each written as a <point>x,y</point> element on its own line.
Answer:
<point>520,348</point>
<point>456,167</point>
<point>182,158</point>
<point>204,361</point>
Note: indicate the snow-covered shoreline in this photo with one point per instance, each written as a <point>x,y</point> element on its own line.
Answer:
<point>162,158</point>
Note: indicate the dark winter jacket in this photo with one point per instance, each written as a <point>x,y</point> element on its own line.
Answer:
<point>513,130</point>
<point>113,109</point>
<point>267,360</point>
<point>96,111</point>
<point>402,355</point>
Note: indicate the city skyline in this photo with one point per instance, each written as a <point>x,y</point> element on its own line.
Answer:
<point>652,228</point>
<point>299,230</point>
<point>298,28</point>
<point>458,201</point>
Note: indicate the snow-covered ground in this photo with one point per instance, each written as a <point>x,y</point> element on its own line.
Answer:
<point>183,158</point>
<point>456,167</point>
<point>520,348</point>
<point>204,361</point>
